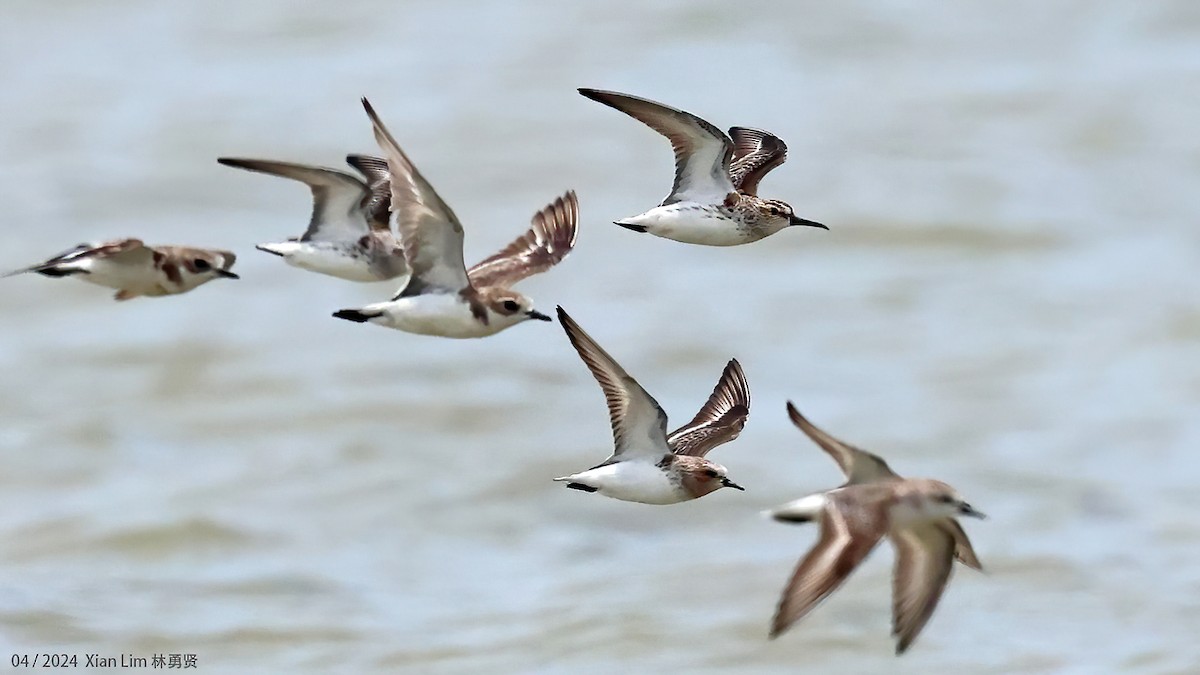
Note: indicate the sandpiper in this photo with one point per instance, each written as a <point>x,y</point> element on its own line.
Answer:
<point>714,200</point>
<point>648,465</point>
<point>348,235</point>
<point>135,269</point>
<point>442,297</point>
<point>909,511</point>
<point>860,466</point>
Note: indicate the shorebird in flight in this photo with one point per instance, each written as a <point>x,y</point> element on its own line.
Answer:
<point>348,234</point>
<point>648,465</point>
<point>714,200</point>
<point>134,269</point>
<point>442,297</point>
<point>914,513</point>
<point>860,466</point>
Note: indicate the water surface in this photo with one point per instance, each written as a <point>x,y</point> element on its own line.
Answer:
<point>1007,300</point>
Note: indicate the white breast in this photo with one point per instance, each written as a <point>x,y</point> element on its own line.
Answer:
<point>343,262</point>
<point>633,481</point>
<point>693,223</point>
<point>139,279</point>
<point>442,314</point>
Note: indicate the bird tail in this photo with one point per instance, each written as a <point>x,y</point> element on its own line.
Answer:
<point>357,315</point>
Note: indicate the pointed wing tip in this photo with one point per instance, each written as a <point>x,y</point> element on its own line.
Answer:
<point>793,412</point>
<point>734,370</point>
<point>610,98</point>
<point>571,328</point>
<point>374,116</point>
<point>241,163</point>
<point>802,423</point>
<point>368,164</point>
<point>568,203</point>
<point>781,622</point>
<point>969,560</point>
<point>903,642</point>
<point>597,95</point>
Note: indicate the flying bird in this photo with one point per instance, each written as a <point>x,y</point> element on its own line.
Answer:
<point>648,465</point>
<point>441,296</point>
<point>714,200</point>
<point>134,269</point>
<point>348,234</point>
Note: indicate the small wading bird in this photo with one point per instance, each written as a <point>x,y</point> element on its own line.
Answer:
<point>135,269</point>
<point>348,235</point>
<point>648,465</point>
<point>714,200</point>
<point>860,466</point>
<point>442,297</point>
<point>916,514</point>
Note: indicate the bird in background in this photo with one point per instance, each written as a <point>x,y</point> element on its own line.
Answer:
<point>648,465</point>
<point>916,514</point>
<point>441,296</point>
<point>348,234</point>
<point>860,466</point>
<point>135,270</point>
<point>714,200</point>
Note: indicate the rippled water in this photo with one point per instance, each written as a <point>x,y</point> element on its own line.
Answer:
<point>1008,300</point>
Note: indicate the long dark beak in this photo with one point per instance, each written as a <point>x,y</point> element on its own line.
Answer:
<point>725,482</point>
<point>534,314</point>
<point>809,223</point>
<point>966,510</point>
<point>226,273</point>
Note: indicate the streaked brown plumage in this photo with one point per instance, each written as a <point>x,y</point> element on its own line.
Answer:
<point>714,199</point>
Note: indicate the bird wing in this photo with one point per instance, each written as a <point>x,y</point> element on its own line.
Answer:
<point>549,239</point>
<point>755,153</point>
<point>131,250</point>
<point>857,464</point>
<point>702,151</point>
<point>721,418</point>
<point>378,204</point>
<point>848,534</point>
<point>924,557</point>
<point>430,233</point>
<point>338,197</point>
<point>963,551</point>
<point>639,424</point>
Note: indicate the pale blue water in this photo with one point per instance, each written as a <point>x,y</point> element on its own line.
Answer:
<point>1007,300</point>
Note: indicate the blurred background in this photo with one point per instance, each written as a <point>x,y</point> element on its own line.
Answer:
<point>1007,299</point>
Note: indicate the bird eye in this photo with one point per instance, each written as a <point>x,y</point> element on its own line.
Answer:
<point>511,305</point>
<point>200,264</point>
<point>946,499</point>
<point>711,473</point>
